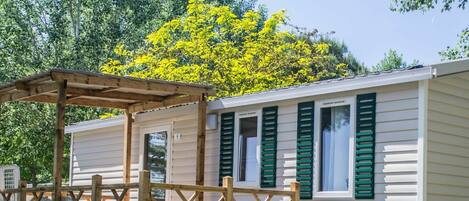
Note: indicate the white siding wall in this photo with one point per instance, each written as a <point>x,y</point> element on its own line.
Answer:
<point>396,148</point>
<point>448,138</point>
<point>396,144</point>
<point>97,152</point>
<point>100,151</point>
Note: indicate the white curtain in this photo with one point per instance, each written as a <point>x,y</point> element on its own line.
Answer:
<point>251,160</point>
<point>335,149</point>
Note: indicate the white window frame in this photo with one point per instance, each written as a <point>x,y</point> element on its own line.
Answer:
<point>238,116</point>
<point>341,195</point>
<point>154,129</point>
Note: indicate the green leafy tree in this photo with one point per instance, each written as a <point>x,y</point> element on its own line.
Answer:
<point>392,60</point>
<point>338,51</point>
<point>36,35</point>
<point>461,49</point>
<point>238,55</point>
<point>424,5</point>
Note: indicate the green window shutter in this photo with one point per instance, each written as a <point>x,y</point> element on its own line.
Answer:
<point>269,147</point>
<point>304,149</point>
<point>226,145</point>
<point>365,146</point>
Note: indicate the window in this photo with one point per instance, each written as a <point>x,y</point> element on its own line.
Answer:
<point>335,132</point>
<point>247,148</point>
<point>334,141</point>
<point>247,145</point>
<point>156,160</point>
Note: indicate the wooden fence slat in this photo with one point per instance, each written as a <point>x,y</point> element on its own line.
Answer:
<point>269,197</point>
<point>228,184</point>
<point>124,194</point>
<point>96,191</point>
<point>79,195</point>
<point>116,195</point>
<point>256,197</point>
<point>222,198</point>
<point>183,198</point>
<point>145,186</point>
<point>144,190</point>
<point>22,188</point>
<point>38,197</point>
<point>194,196</point>
<point>295,188</point>
<point>72,195</point>
<point>121,196</point>
<point>6,196</point>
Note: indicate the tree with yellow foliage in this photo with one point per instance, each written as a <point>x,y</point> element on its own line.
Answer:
<point>237,55</point>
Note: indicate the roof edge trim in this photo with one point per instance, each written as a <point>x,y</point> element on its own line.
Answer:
<point>451,67</point>
<point>94,124</point>
<point>324,88</point>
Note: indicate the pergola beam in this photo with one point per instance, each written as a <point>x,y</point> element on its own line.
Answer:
<point>21,85</point>
<point>80,102</point>
<point>59,138</point>
<point>113,95</point>
<point>201,133</point>
<point>173,100</point>
<point>129,83</point>
<point>128,120</point>
<point>28,93</point>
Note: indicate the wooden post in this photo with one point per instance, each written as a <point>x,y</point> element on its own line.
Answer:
<point>22,187</point>
<point>127,149</point>
<point>96,192</point>
<point>295,187</point>
<point>59,138</point>
<point>228,184</point>
<point>144,186</point>
<point>201,131</point>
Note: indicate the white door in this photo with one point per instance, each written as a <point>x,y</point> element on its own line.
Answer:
<point>156,157</point>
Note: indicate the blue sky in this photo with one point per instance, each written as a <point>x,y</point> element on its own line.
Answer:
<point>369,28</point>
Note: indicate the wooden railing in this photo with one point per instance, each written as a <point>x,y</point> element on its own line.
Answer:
<point>120,192</point>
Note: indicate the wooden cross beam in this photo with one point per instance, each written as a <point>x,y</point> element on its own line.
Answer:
<point>79,101</point>
<point>123,82</point>
<point>112,95</point>
<point>172,100</point>
<point>28,93</point>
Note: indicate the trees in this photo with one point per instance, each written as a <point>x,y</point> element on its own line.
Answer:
<point>424,5</point>
<point>237,55</point>
<point>392,60</point>
<point>340,54</point>
<point>27,142</point>
<point>36,35</point>
<point>461,49</point>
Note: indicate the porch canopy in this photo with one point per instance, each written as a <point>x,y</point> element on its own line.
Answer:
<point>133,95</point>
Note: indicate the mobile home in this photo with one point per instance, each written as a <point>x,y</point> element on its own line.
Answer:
<point>390,136</point>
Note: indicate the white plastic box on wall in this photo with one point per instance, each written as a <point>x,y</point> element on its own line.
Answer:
<point>9,177</point>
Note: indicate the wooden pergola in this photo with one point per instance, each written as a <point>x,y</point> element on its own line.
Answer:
<point>67,87</point>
